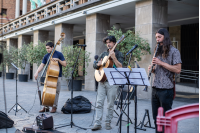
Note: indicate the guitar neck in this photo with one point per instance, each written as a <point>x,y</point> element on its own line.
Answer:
<point>112,50</point>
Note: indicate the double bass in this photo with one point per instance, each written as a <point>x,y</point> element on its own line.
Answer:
<point>107,62</point>
<point>52,73</point>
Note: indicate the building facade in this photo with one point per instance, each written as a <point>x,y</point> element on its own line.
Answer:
<point>87,21</point>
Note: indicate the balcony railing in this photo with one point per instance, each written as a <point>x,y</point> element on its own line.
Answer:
<point>40,13</point>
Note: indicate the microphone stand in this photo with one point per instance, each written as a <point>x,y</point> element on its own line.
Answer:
<point>16,104</point>
<point>71,81</point>
<point>129,91</point>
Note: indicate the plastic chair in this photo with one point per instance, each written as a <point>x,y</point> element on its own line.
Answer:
<point>171,118</point>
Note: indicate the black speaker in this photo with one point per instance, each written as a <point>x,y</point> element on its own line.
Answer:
<point>5,121</point>
<point>44,121</point>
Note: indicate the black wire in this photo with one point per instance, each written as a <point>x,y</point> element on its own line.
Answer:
<point>28,112</point>
<point>94,108</point>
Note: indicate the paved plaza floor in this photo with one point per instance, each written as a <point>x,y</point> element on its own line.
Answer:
<point>27,96</point>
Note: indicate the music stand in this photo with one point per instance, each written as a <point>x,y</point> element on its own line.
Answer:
<point>16,104</point>
<point>125,76</point>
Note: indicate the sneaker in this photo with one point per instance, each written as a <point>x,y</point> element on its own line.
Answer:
<point>96,127</point>
<point>108,127</point>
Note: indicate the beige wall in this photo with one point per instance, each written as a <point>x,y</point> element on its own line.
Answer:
<point>68,30</point>
<point>150,15</point>
<point>96,29</point>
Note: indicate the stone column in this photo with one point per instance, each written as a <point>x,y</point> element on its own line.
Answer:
<point>17,8</point>
<point>96,29</point>
<point>68,40</point>
<point>42,36</point>
<point>150,15</point>
<point>11,42</point>
<point>24,7</point>
<point>24,40</point>
<point>68,30</point>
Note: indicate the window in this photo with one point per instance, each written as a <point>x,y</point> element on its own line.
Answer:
<point>4,11</point>
<point>20,12</point>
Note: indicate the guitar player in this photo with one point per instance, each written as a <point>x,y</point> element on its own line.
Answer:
<point>104,89</point>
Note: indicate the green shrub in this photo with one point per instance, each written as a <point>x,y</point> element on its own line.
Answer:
<point>70,53</point>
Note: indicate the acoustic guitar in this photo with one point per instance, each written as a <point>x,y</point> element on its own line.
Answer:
<point>107,62</point>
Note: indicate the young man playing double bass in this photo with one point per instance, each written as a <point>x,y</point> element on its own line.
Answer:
<point>104,89</point>
<point>57,56</point>
<point>167,63</point>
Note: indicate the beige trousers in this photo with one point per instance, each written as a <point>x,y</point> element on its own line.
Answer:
<point>104,89</point>
<point>57,92</point>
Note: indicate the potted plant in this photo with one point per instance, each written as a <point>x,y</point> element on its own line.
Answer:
<point>9,57</point>
<point>22,59</point>
<point>70,53</point>
<point>36,53</point>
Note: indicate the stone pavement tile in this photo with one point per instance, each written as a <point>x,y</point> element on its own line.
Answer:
<point>27,95</point>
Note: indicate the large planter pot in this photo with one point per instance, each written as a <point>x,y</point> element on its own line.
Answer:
<point>23,77</point>
<point>0,74</point>
<point>42,81</point>
<point>9,75</point>
<point>77,85</point>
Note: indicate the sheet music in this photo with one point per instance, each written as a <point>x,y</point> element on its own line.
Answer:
<point>135,76</point>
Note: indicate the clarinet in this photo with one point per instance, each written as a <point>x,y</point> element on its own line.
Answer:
<point>149,76</point>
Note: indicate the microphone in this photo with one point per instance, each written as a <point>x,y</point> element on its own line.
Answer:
<point>82,45</point>
<point>96,57</point>
<point>134,47</point>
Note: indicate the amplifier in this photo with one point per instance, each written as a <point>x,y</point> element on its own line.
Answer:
<point>44,121</point>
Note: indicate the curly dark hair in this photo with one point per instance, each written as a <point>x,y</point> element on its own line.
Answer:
<point>50,44</point>
<point>110,38</point>
<point>166,43</point>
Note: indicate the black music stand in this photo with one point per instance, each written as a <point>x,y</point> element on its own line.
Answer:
<point>119,96</point>
<point>72,123</point>
<point>125,103</point>
<point>16,104</point>
<point>125,76</point>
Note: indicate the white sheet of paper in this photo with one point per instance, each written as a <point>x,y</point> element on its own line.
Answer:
<point>135,77</point>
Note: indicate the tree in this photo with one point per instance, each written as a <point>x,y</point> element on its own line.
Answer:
<point>35,54</point>
<point>131,38</point>
<point>10,56</point>
<point>70,54</point>
<point>22,57</point>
